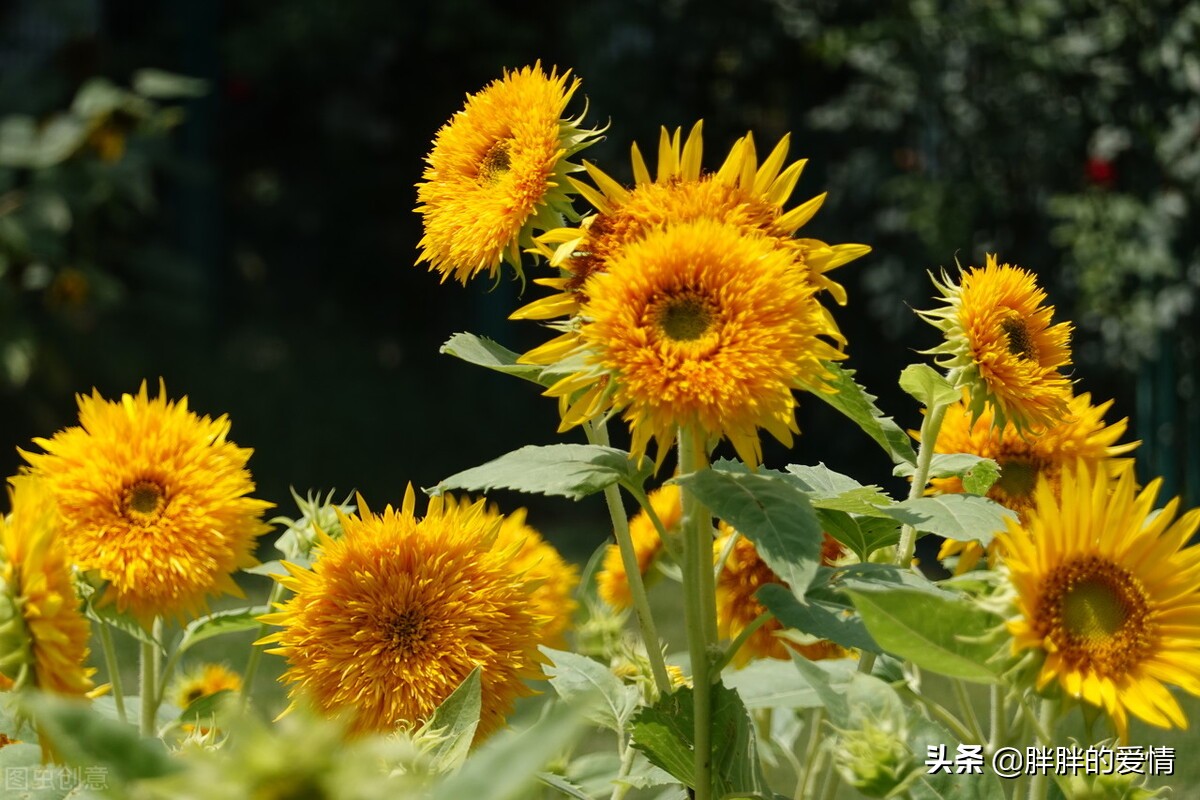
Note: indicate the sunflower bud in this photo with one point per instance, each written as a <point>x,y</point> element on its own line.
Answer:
<point>874,758</point>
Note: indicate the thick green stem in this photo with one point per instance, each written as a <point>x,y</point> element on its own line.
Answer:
<point>620,786</point>
<point>114,670</point>
<point>996,731</point>
<point>669,542</point>
<point>930,426</point>
<point>149,680</point>
<point>736,644</point>
<point>700,607</point>
<point>256,650</point>
<point>1039,783</point>
<point>811,755</point>
<point>967,708</point>
<point>598,434</point>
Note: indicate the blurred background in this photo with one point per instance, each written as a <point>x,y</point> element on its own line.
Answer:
<point>222,193</point>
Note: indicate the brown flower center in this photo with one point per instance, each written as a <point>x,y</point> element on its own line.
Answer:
<point>684,317</point>
<point>406,631</point>
<point>1097,614</point>
<point>1018,477</point>
<point>1020,341</point>
<point>144,499</point>
<point>496,161</point>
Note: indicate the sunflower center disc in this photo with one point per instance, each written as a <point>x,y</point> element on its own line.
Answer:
<point>1017,478</point>
<point>496,161</point>
<point>406,631</point>
<point>1020,343</point>
<point>685,319</point>
<point>144,498</point>
<point>1094,610</point>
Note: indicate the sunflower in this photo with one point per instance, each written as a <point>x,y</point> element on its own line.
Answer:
<point>498,172</point>
<point>742,193</point>
<point>1001,346</point>
<point>698,325</point>
<point>205,681</point>
<point>741,576</point>
<point>154,498</point>
<point>612,583</point>
<point>393,616</point>
<point>1109,594</point>
<point>532,556</point>
<point>44,636</point>
<point>1080,435</point>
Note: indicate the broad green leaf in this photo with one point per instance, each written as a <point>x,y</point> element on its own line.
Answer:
<point>592,688</point>
<point>856,403</point>
<point>977,473</point>
<point>773,683</point>
<point>850,697</point>
<point>107,614</point>
<point>486,353</point>
<point>824,619</point>
<point>218,623</point>
<point>203,710</point>
<point>562,785</point>
<point>456,719</point>
<point>82,737</point>
<point>664,732</point>
<point>837,492</point>
<point>270,568</point>
<point>947,635</point>
<point>25,777</point>
<point>567,470</point>
<point>924,733</point>
<point>770,511</point>
<point>863,535</point>
<point>928,386</point>
<point>871,577</point>
<point>962,517</point>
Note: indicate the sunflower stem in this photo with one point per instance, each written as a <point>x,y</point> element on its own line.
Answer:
<point>256,650</point>
<point>811,754</point>
<point>669,542</point>
<point>736,644</point>
<point>149,679</point>
<point>930,426</point>
<point>700,607</point>
<point>967,708</point>
<point>621,787</point>
<point>114,670</point>
<point>1039,783</point>
<point>598,434</point>
<point>996,729</point>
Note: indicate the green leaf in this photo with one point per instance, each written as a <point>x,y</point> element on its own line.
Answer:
<point>562,785</point>
<point>962,517</point>
<point>664,733</point>
<point>822,618</point>
<point>769,510</point>
<point>835,491</point>
<point>107,614</point>
<point>203,710</point>
<point>271,568</point>
<point>928,385</point>
<point>486,353</point>
<point>923,733</point>
<point>218,623</point>
<point>977,474</point>
<point>25,777</point>
<point>774,683</point>
<point>591,687</point>
<point>854,401</point>
<point>947,635</point>
<point>82,737</point>
<point>567,470</point>
<point>456,718</point>
<point>863,535</point>
<point>870,577</point>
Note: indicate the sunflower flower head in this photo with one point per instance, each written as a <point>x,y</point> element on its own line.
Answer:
<point>1000,344</point>
<point>394,616</point>
<point>698,325</point>
<point>205,681</point>
<point>43,636</point>
<point>498,173</point>
<point>1079,436</point>
<point>612,583</point>
<point>742,574</point>
<point>154,498</point>
<point>1107,593</point>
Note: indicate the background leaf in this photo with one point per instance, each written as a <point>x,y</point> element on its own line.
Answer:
<point>457,718</point>
<point>568,470</point>
<point>591,687</point>
<point>962,517</point>
<point>856,403</point>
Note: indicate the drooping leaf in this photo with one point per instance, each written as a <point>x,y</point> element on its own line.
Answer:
<point>562,786</point>
<point>568,470</point>
<point>943,634</point>
<point>856,403</point>
<point>928,386</point>
<point>457,719</point>
<point>486,353</point>
<point>962,517</point>
<point>829,619</point>
<point>218,623</point>
<point>592,688</point>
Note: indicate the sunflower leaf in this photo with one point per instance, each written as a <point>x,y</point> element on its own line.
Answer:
<point>818,616</point>
<point>943,634</point>
<point>928,386</point>
<point>487,353</point>
<point>977,473</point>
<point>592,688</point>
<point>962,517</point>
<point>772,512</point>
<point>856,403</point>
<point>456,719</point>
<point>567,470</point>
<point>218,623</point>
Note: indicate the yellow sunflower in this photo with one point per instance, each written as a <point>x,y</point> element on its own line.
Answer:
<point>498,172</point>
<point>612,584</point>
<point>393,616</point>
<point>1002,347</point>
<point>1109,593</point>
<point>698,325</point>
<point>1081,435</point>
<point>43,633</point>
<point>205,681</point>
<point>530,555</point>
<point>742,193</point>
<point>155,499</point>
<point>743,574</point>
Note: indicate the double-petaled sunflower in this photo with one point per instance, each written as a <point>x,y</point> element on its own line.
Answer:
<point>1109,593</point>
<point>393,616</point>
<point>498,173</point>
<point>44,636</point>
<point>612,583</point>
<point>154,498</point>
<point>1081,435</point>
<point>1001,346</point>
